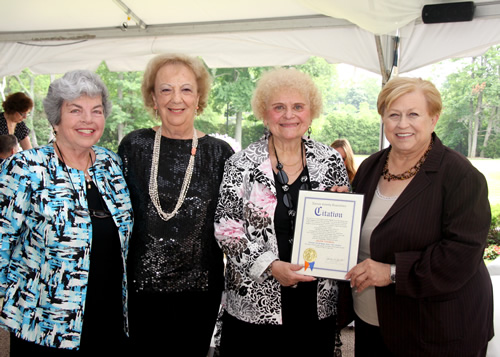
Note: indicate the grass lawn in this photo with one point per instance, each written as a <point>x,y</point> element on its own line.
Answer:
<point>491,170</point>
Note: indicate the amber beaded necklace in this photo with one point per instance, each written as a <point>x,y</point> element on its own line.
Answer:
<point>407,174</point>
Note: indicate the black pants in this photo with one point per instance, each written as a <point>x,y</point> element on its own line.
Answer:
<point>243,339</point>
<point>369,342</point>
<point>172,324</point>
<point>101,347</point>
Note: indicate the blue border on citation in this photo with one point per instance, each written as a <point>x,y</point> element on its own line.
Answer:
<point>327,233</point>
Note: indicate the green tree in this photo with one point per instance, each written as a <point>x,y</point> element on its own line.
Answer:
<point>325,76</point>
<point>231,94</point>
<point>128,111</point>
<point>470,121</point>
<point>360,127</point>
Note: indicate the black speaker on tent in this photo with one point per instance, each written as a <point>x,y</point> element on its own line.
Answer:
<point>449,12</point>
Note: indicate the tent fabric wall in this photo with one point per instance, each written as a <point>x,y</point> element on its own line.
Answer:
<point>420,45</point>
<point>379,17</point>
<point>351,41</point>
<point>429,44</point>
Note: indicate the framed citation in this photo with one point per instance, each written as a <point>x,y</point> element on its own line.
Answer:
<point>327,233</point>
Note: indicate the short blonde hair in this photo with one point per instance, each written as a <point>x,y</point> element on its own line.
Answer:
<point>203,79</point>
<point>289,78</point>
<point>400,86</point>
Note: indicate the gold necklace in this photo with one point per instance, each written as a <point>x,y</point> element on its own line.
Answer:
<point>296,171</point>
<point>291,165</point>
<point>301,159</point>
<point>407,174</point>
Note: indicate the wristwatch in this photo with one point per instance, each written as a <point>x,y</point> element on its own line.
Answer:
<point>393,273</point>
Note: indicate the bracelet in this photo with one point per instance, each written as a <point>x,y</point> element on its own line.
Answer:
<point>393,273</point>
<point>269,270</point>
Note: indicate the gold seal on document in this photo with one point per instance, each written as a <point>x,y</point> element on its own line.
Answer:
<point>310,255</point>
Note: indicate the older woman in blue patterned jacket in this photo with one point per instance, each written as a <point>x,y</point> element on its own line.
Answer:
<point>265,297</point>
<point>61,205</point>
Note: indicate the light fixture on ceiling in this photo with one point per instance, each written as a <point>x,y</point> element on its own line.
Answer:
<point>130,14</point>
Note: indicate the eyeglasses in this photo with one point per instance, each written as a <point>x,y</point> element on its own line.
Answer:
<point>99,213</point>
<point>24,115</point>
<point>96,213</point>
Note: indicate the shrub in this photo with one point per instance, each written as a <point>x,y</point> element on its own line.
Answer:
<point>491,252</point>
<point>494,232</point>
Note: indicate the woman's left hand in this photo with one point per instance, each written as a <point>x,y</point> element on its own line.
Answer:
<point>369,273</point>
<point>287,273</point>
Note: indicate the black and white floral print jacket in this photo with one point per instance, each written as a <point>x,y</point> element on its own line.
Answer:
<point>244,228</point>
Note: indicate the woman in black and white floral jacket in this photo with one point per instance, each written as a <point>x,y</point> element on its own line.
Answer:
<point>264,296</point>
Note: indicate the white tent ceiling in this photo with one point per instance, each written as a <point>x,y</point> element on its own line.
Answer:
<point>54,36</point>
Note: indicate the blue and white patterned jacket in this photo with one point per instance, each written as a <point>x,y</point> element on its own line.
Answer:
<point>45,246</point>
<point>244,228</point>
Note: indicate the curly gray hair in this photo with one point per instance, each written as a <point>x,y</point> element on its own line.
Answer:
<point>71,86</point>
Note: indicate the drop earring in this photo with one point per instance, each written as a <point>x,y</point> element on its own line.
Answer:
<point>309,132</point>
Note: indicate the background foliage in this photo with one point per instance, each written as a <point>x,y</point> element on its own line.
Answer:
<point>470,122</point>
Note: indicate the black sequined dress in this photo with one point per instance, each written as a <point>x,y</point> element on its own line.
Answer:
<point>178,261</point>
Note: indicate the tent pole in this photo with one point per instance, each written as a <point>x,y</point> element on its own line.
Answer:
<point>386,73</point>
<point>381,61</point>
<point>385,78</point>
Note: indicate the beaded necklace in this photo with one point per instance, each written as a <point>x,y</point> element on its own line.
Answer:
<point>407,174</point>
<point>282,176</point>
<point>153,180</point>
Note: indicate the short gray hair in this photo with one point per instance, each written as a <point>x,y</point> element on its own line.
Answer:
<point>71,86</point>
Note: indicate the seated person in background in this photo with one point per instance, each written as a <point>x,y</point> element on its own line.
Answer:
<point>344,148</point>
<point>16,108</point>
<point>8,146</point>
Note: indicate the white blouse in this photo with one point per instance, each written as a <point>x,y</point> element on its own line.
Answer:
<point>365,303</point>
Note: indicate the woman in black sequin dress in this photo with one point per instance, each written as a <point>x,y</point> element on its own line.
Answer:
<point>174,173</point>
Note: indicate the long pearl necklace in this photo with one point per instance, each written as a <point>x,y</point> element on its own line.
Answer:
<point>153,183</point>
